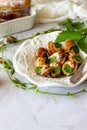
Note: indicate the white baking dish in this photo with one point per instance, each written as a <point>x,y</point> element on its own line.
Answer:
<point>17,25</point>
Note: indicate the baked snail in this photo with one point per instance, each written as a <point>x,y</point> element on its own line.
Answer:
<point>58,57</point>
<point>55,61</point>
<point>69,67</point>
<point>51,48</point>
<point>41,52</point>
<point>56,70</point>
<point>66,46</point>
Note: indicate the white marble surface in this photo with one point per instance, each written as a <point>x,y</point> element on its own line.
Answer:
<point>26,110</point>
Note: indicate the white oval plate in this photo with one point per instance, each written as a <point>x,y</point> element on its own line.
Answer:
<point>24,59</point>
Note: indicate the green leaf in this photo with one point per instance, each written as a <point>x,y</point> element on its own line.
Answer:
<point>12,71</point>
<point>19,83</point>
<point>68,24</point>
<point>33,86</point>
<point>8,64</point>
<point>64,35</point>
<point>51,30</point>
<point>78,25</point>
<point>75,48</point>
<point>33,35</point>
<point>82,43</point>
<point>65,22</point>
<point>83,31</point>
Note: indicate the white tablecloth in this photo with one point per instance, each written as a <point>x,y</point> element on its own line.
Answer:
<point>48,10</point>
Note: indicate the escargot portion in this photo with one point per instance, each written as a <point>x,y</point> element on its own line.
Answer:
<point>58,57</point>
<point>56,62</point>
<point>69,67</point>
<point>41,52</point>
<point>40,61</point>
<point>56,70</point>
<point>46,70</point>
<point>51,48</point>
<point>66,46</point>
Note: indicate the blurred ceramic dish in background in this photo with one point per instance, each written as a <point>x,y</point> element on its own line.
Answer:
<point>17,25</point>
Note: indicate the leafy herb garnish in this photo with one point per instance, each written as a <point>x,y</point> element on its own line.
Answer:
<point>74,31</point>
<point>65,22</point>
<point>70,25</point>
<point>78,25</point>
<point>64,35</point>
<point>82,43</point>
<point>51,30</point>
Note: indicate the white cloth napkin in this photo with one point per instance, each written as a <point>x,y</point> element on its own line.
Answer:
<point>49,10</point>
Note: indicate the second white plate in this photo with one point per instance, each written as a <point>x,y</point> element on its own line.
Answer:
<point>17,25</point>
